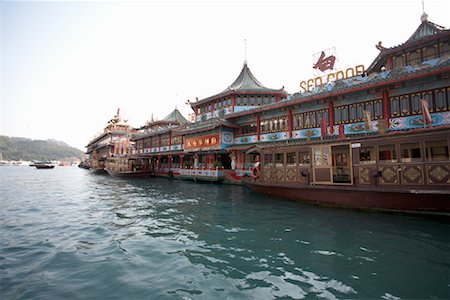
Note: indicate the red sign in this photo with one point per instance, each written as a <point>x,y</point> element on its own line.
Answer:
<point>325,63</point>
<point>208,141</point>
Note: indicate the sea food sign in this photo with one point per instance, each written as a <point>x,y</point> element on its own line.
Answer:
<point>325,64</point>
<point>207,141</point>
<point>310,84</point>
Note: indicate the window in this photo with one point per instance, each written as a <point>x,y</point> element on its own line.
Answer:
<point>268,159</point>
<point>367,155</point>
<point>410,152</point>
<point>429,53</point>
<point>290,158</point>
<point>387,153</point>
<point>399,61</point>
<point>416,104</point>
<point>279,159</point>
<point>404,105</point>
<point>440,101</point>
<point>395,110</point>
<point>437,150</point>
<point>322,156</point>
<point>414,57</point>
<point>303,158</point>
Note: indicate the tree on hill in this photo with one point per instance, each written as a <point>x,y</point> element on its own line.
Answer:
<point>16,148</point>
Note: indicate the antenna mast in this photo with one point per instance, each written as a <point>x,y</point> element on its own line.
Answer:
<point>245,51</point>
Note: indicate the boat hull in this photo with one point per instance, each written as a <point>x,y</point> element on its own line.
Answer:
<point>375,199</point>
<point>44,166</point>
<point>131,174</point>
<point>98,170</point>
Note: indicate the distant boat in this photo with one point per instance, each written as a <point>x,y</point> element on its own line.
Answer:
<point>43,165</point>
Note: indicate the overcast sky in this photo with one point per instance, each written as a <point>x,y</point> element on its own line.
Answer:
<point>67,66</point>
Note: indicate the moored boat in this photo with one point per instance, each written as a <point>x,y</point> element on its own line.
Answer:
<point>128,167</point>
<point>43,165</point>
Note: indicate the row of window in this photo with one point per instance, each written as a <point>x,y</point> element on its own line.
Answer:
<point>409,152</point>
<point>355,112</point>
<point>218,104</point>
<point>309,119</point>
<point>274,125</point>
<point>254,100</point>
<point>152,143</point>
<point>300,158</point>
<point>411,104</point>
<point>419,55</point>
<point>240,100</point>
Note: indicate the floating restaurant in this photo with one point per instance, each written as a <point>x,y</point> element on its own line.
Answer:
<point>372,139</point>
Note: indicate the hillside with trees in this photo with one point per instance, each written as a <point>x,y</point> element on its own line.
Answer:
<point>16,148</point>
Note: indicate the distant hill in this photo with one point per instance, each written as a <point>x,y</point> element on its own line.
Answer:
<point>16,148</point>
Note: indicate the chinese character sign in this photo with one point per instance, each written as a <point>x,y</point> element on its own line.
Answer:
<point>325,63</point>
<point>209,141</point>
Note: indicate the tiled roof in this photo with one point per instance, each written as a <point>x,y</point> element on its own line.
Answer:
<point>246,82</point>
<point>427,31</point>
<point>176,117</point>
<point>357,83</point>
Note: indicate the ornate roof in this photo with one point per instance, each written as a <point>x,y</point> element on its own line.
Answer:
<point>176,117</point>
<point>344,86</point>
<point>246,82</point>
<point>427,31</point>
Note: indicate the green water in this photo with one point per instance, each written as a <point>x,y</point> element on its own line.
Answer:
<point>67,233</point>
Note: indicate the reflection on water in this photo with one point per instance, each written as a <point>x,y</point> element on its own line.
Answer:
<point>69,233</point>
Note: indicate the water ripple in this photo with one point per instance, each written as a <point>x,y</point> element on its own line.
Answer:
<point>68,233</point>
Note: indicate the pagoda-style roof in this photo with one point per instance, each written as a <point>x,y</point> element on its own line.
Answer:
<point>175,117</point>
<point>426,29</point>
<point>245,83</point>
<point>426,32</point>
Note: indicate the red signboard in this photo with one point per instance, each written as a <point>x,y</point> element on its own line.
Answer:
<point>207,141</point>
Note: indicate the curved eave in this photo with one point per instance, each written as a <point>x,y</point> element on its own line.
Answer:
<point>409,44</point>
<point>356,88</point>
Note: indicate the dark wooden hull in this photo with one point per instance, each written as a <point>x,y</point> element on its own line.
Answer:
<point>376,199</point>
<point>98,170</point>
<point>44,166</point>
<point>131,174</point>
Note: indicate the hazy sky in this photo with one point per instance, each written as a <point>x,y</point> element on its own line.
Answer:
<point>67,66</point>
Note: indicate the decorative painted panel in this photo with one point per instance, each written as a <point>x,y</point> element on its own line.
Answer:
<point>267,173</point>
<point>176,147</point>
<point>389,175</point>
<point>366,174</point>
<point>279,174</point>
<point>438,174</point>
<point>306,133</point>
<point>291,174</point>
<point>438,119</point>
<point>412,175</point>
<point>227,138</point>
<point>360,127</point>
<point>246,139</point>
<point>276,136</point>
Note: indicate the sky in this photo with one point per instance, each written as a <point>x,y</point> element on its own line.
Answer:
<point>66,67</point>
